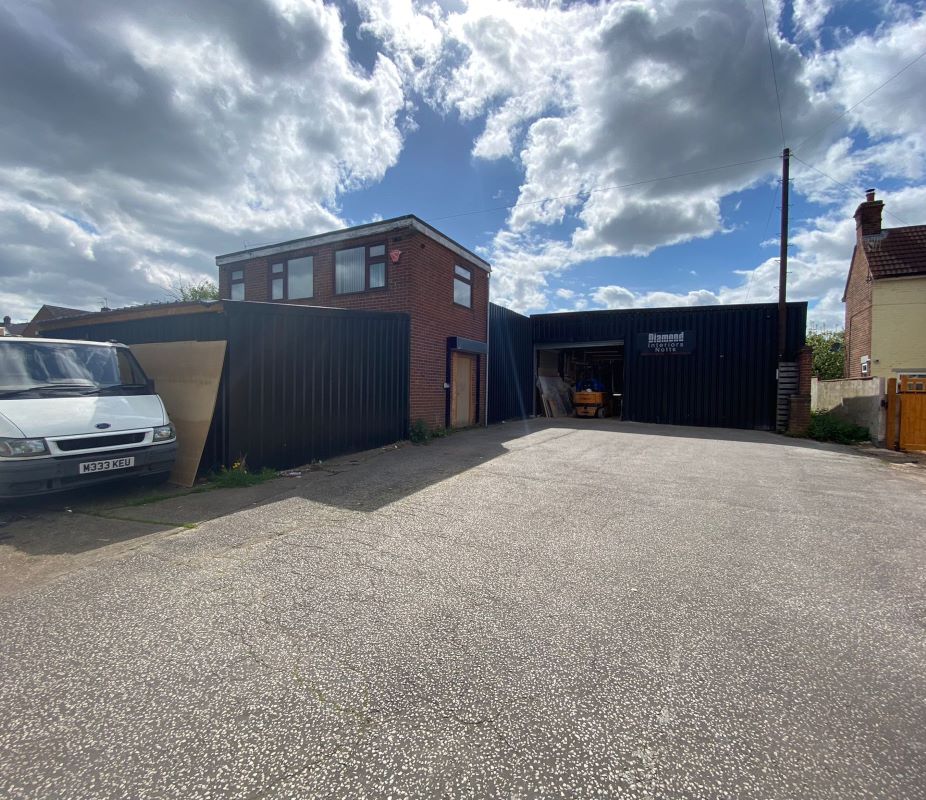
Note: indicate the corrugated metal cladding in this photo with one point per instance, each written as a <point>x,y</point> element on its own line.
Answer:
<point>299,383</point>
<point>511,374</point>
<point>307,384</point>
<point>727,381</point>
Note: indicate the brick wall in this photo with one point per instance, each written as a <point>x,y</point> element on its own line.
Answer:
<point>804,370</point>
<point>420,284</point>
<point>858,314</point>
<point>435,317</point>
<point>799,403</point>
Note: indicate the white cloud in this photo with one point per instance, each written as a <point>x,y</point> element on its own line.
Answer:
<point>638,91</point>
<point>822,251</point>
<point>809,15</point>
<point>860,67</point>
<point>173,133</point>
<point>621,297</point>
<point>146,138</point>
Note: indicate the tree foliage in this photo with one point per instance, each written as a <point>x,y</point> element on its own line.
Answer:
<point>187,291</point>
<point>828,354</point>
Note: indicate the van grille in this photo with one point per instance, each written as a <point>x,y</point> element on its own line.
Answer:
<point>97,442</point>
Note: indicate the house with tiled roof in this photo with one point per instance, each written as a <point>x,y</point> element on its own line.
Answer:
<point>885,297</point>
<point>48,312</point>
<point>10,328</point>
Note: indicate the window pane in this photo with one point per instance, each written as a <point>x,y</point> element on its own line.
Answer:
<point>377,250</point>
<point>276,289</point>
<point>377,275</point>
<point>463,272</point>
<point>277,268</point>
<point>348,270</point>
<point>237,274</point>
<point>300,275</point>
<point>461,292</point>
<point>237,291</point>
<point>129,370</point>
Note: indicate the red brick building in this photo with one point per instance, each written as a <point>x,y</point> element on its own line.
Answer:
<point>885,297</point>
<point>400,264</point>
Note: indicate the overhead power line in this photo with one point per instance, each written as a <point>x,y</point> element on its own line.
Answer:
<point>609,188</point>
<point>843,185</point>
<point>856,105</point>
<point>771,57</point>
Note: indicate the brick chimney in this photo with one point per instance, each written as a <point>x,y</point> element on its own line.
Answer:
<point>868,216</point>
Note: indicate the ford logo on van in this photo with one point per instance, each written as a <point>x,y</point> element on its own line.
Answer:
<point>103,425</point>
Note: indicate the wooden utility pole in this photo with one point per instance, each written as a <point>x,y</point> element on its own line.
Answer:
<point>783,259</point>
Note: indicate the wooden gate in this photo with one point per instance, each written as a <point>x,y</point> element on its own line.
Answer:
<point>908,401</point>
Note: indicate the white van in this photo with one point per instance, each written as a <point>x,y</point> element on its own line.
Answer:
<point>75,413</point>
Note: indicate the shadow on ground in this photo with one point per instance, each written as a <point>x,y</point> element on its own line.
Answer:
<point>105,515</point>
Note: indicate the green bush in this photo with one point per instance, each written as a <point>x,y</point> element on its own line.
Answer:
<point>419,433</point>
<point>422,433</point>
<point>824,427</point>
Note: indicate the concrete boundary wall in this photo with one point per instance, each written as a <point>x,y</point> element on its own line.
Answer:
<point>857,400</point>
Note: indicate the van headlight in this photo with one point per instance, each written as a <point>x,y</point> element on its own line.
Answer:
<point>20,448</point>
<point>164,433</point>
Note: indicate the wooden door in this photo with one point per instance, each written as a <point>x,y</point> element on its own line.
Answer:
<point>461,405</point>
<point>912,413</point>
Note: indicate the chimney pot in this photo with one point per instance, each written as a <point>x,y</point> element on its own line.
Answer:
<point>868,216</point>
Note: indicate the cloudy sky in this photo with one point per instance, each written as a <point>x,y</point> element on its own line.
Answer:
<point>597,154</point>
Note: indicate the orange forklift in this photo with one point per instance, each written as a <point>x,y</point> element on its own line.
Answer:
<point>590,399</point>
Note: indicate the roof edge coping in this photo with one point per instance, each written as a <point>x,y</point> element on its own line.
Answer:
<point>409,221</point>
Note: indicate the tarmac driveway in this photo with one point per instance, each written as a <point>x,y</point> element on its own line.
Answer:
<point>553,609</point>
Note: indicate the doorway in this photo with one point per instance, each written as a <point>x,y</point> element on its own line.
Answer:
<point>462,404</point>
<point>600,362</point>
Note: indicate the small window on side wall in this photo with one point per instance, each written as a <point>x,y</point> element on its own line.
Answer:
<point>237,285</point>
<point>463,287</point>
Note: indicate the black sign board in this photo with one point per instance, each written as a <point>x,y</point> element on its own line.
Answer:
<point>671,343</point>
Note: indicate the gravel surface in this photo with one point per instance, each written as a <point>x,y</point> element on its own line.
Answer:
<point>551,609</point>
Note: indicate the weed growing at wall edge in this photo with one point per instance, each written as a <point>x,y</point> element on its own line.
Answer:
<point>421,433</point>
<point>238,476</point>
<point>825,427</point>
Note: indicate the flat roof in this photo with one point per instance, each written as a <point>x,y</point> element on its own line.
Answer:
<point>43,340</point>
<point>409,221</point>
<point>705,308</point>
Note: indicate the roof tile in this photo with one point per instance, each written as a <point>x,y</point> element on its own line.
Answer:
<point>897,252</point>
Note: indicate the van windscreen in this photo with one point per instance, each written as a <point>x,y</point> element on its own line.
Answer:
<point>54,368</point>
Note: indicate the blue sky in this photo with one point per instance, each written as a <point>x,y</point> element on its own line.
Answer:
<point>143,139</point>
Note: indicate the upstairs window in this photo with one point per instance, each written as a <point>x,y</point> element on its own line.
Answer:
<point>293,279</point>
<point>377,266</point>
<point>237,285</point>
<point>277,271</point>
<point>349,268</point>
<point>462,286</point>
<point>300,278</point>
<point>360,268</point>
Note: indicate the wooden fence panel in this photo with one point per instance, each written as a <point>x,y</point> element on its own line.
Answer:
<point>912,413</point>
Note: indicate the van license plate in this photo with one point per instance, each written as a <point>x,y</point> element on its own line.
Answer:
<point>108,464</point>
